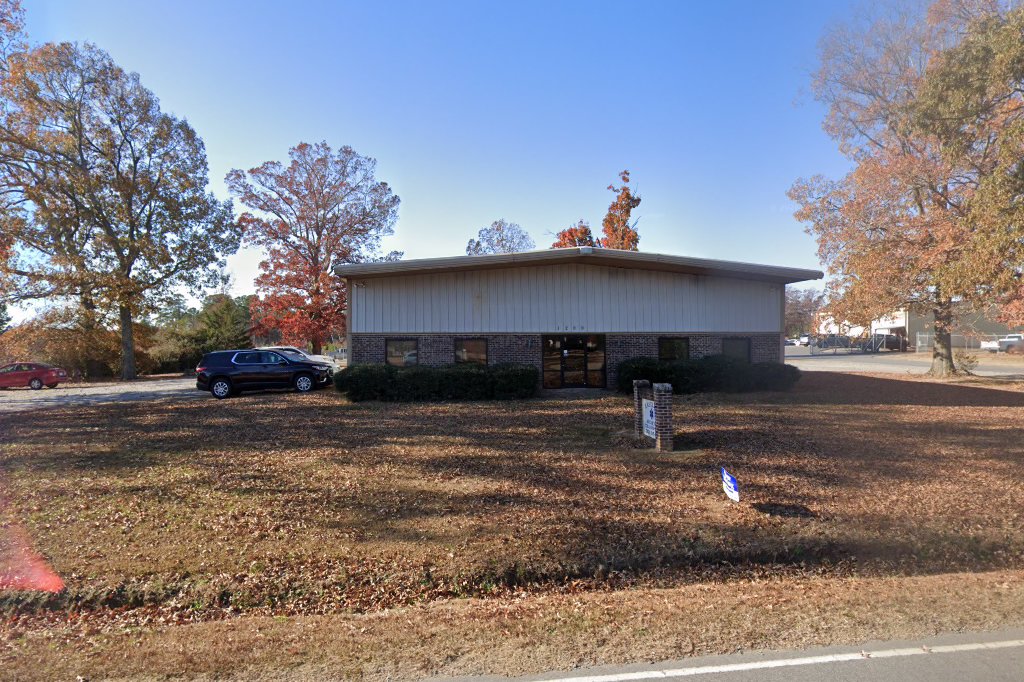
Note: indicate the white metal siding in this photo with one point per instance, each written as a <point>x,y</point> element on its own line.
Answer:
<point>570,298</point>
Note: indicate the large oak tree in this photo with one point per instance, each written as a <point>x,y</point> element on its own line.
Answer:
<point>321,209</point>
<point>104,195</point>
<point>802,306</point>
<point>927,106</point>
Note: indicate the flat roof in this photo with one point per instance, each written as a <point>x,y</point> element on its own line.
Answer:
<point>581,254</point>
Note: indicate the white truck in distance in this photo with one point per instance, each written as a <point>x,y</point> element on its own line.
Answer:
<point>1009,343</point>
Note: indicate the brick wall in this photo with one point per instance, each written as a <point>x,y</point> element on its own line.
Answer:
<point>763,347</point>
<point>439,349</point>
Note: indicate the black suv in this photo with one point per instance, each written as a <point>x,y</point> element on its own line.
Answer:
<point>228,372</point>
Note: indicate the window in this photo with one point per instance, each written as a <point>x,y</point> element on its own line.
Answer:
<point>472,351</point>
<point>736,348</point>
<point>248,358</point>
<point>401,352</point>
<point>672,349</point>
<point>271,358</point>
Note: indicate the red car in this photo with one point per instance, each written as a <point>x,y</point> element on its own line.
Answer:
<point>32,374</point>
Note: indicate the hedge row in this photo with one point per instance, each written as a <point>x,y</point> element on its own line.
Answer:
<point>710,373</point>
<point>455,382</point>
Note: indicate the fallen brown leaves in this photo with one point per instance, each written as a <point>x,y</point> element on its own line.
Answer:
<point>163,514</point>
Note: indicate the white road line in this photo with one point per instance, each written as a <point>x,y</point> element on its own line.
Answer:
<point>789,662</point>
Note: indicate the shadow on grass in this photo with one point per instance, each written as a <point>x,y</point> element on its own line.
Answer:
<point>837,388</point>
<point>537,493</point>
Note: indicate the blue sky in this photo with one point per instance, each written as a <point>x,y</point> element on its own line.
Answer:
<point>484,110</point>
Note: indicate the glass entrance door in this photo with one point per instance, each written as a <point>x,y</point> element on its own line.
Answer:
<point>574,361</point>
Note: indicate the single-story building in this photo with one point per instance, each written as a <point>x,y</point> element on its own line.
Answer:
<point>574,313</point>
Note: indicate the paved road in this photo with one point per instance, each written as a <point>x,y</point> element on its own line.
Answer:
<point>21,399</point>
<point>994,657</point>
<point>891,362</point>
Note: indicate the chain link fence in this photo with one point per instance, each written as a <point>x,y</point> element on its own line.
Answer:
<point>835,344</point>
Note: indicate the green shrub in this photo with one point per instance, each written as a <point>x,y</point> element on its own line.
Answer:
<point>414,384</point>
<point>655,371</point>
<point>774,376</point>
<point>510,382</point>
<point>365,382</point>
<point>455,382</point>
<point>687,376</point>
<point>725,374</point>
<point>464,382</point>
<point>710,373</point>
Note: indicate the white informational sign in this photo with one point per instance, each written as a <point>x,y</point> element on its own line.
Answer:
<point>730,486</point>
<point>648,409</point>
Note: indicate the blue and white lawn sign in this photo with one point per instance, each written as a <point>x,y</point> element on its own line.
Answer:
<point>730,486</point>
<point>650,429</point>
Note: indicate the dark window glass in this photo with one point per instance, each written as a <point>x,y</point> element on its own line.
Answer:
<point>671,349</point>
<point>736,348</point>
<point>216,360</point>
<point>472,351</point>
<point>402,352</point>
<point>271,358</point>
<point>249,358</point>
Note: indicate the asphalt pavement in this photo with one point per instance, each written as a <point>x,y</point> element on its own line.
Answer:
<point>22,399</point>
<point>894,362</point>
<point>991,656</point>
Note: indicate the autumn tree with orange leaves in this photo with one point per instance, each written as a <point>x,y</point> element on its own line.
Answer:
<point>619,232</point>
<point>322,209</point>
<point>574,235</point>
<point>928,107</point>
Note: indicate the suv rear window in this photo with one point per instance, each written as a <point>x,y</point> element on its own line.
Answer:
<point>216,360</point>
<point>250,358</point>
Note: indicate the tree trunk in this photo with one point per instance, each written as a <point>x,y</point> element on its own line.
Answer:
<point>127,344</point>
<point>318,346</point>
<point>942,350</point>
<point>93,365</point>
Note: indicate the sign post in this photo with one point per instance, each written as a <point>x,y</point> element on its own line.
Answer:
<point>652,413</point>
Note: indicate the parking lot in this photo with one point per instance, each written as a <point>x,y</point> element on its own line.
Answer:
<point>20,399</point>
<point>893,362</point>
<point>184,388</point>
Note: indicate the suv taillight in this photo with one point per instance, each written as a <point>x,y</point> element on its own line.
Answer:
<point>200,369</point>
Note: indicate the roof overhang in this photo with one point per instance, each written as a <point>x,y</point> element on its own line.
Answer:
<point>582,255</point>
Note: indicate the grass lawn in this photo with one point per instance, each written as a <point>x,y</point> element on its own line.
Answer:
<point>303,535</point>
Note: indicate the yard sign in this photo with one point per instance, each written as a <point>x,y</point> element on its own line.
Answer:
<point>649,429</point>
<point>730,486</point>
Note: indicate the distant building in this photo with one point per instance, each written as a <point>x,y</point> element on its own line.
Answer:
<point>969,328</point>
<point>574,313</point>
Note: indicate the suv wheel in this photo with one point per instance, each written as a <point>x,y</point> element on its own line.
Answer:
<point>303,383</point>
<point>36,384</point>
<point>221,389</point>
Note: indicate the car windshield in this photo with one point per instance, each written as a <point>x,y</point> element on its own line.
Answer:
<point>293,354</point>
